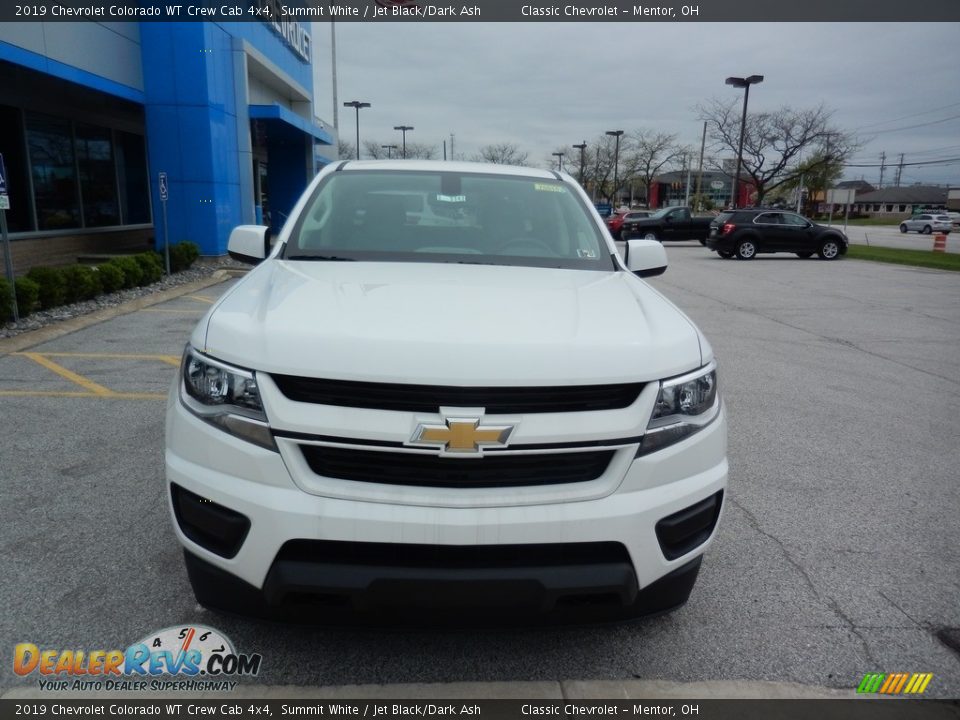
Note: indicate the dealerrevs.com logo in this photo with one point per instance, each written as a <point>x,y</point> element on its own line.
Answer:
<point>203,657</point>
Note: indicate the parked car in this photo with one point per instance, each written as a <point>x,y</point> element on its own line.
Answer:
<point>927,223</point>
<point>671,223</point>
<point>745,233</point>
<point>954,219</point>
<point>615,222</point>
<point>383,415</point>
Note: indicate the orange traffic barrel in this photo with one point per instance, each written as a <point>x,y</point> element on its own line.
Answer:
<point>939,242</point>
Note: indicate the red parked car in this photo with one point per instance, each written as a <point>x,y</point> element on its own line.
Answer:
<point>615,221</point>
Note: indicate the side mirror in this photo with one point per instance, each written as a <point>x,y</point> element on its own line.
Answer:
<point>646,258</point>
<point>249,243</point>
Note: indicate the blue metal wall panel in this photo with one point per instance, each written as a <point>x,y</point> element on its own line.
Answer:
<point>43,64</point>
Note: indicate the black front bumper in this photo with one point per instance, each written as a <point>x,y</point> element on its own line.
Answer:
<point>335,583</point>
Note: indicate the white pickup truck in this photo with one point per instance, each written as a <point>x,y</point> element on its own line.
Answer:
<point>493,414</point>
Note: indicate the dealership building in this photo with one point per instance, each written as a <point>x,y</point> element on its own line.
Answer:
<point>91,115</point>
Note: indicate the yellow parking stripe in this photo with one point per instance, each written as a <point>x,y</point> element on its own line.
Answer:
<point>73,377</point>
<point>68,394</point>
<point>201,298</point>
<point>169,359</point>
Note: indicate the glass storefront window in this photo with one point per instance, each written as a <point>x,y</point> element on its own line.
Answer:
<point>98,181</point>
<point>132,176</point>
<point>14,157</point>
<point>50,142</point>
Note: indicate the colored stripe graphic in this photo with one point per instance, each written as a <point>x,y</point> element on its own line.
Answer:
<point>871,682</point>
<point>922,680</point>
<point>894,683</point>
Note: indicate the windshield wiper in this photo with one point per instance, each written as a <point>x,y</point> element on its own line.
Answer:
<point>333,258</point>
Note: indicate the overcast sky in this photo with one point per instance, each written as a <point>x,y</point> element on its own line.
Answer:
<point>543,86</point>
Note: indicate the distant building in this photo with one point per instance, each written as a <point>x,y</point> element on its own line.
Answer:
<point>670,189</point>
<point>859,186</point>
<point>902,200</point>
<point>953,199</point>
<point>91,112</point>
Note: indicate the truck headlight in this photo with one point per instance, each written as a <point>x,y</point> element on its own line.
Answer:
<point>685,405</point>
<point>225,396</point>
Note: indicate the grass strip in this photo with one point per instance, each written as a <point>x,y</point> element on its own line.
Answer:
<point>916,258</point>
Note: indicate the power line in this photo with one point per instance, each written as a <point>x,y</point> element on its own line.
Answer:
<point>907,117</point>
<point>942,161</point>
<point>919,125</point>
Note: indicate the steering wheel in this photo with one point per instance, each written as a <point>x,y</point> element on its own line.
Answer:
<point>532,243</point>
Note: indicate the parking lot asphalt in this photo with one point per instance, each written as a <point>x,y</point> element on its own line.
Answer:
<point>836,555</point>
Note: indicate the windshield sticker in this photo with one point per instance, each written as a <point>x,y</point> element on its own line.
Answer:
<point>588,253</point>
<point>544,187</point>
<point>451,198</point>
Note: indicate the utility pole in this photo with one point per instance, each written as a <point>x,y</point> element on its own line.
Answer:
<point>452,155</point>
<point>899,169</point>
<point>686,197</point>
<point>703,145</point>
<point>883,167</point>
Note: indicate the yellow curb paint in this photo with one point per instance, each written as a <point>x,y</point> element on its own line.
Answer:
<point>201,298</point>
<point>73,377</point>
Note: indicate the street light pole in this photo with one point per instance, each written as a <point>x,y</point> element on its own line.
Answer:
<point>616,161</point>
<point>745,83</point>
<point>356,105</point>
<point>559,157</point>
<point>581,147</point>
<point>388,148</point>
<point>403,129</point>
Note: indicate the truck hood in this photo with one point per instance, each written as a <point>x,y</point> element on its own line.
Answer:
<point>449,325</point>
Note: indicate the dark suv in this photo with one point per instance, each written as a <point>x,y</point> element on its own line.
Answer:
<point>749,231</point>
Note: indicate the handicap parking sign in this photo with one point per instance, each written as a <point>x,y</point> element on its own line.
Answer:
<point>163,186</point>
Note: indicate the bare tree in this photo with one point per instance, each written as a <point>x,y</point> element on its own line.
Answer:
<point>375,149</point>
<point>501,154</point>
<point>598,167</point>
<point>346,149</point>
<point>421,151</point>
<point>774,142</point>
<point>651,153</point>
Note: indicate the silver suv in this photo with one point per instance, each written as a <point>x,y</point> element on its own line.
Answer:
<point>927,223</point>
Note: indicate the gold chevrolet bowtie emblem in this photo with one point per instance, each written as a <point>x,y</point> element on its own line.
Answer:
<point>461,435</point>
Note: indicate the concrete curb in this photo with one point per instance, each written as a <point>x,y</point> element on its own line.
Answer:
<point>545,690</point>
<point>65,327</point>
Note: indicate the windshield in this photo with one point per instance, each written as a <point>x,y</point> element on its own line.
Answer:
<point>383,215</point>
<point>663,211</point>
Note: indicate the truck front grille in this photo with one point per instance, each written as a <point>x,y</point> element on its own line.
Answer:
<point>423,470</point>
<point>429,398</point>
